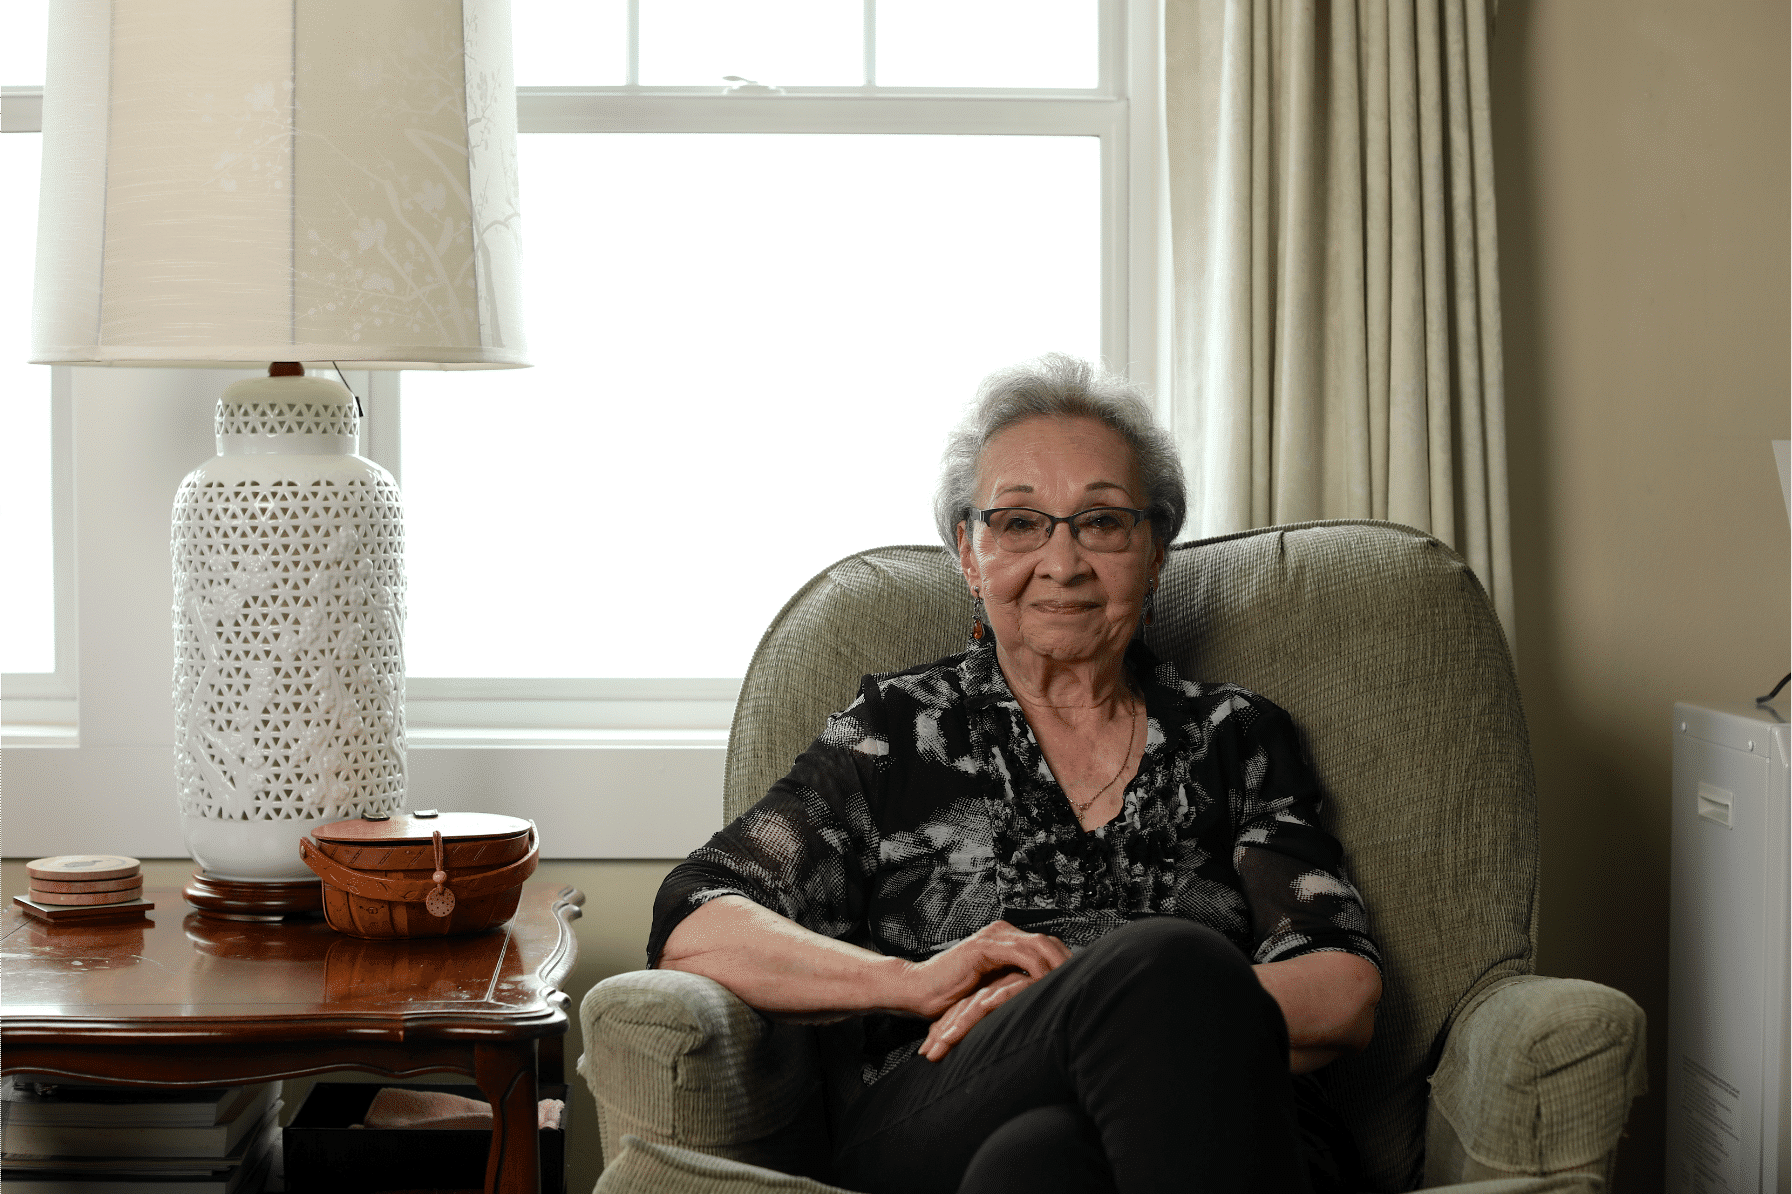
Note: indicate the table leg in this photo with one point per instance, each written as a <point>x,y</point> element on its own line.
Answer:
<point>550,1052</point>
<point>506,1075</point>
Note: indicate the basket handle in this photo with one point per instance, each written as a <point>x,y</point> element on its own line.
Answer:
<point>413,891</point>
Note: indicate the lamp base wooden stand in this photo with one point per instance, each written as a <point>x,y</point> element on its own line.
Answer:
<point>238,899</point>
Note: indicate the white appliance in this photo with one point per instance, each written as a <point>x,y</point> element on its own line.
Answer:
<point>1727,1021</point>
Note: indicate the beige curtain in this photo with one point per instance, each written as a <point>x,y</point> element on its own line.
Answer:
<point>1336,348</point>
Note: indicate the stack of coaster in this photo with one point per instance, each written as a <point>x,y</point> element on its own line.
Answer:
<point>79,887</point>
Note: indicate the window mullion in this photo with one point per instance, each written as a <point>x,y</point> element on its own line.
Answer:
<point>870,41</point>
<point>1114,54</point>
<point>633,78</point>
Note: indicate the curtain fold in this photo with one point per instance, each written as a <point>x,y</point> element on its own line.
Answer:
<point>1336,331</point>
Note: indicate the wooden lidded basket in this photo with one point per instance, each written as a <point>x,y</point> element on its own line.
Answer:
<point>421,874</point>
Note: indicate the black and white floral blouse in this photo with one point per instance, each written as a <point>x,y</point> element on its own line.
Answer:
<point>926,810</point>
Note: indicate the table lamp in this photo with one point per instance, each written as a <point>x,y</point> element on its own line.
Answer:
<point>239,182</point>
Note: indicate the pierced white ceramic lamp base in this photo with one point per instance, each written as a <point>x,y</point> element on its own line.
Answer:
<point>288,637</point>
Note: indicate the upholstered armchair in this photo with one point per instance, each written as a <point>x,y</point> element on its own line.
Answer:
<point>1482,1076</point>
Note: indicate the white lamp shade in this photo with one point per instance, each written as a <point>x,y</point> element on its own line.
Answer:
<point>231,181</point>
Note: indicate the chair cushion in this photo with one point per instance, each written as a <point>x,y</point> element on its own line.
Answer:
<point>1384,648</point>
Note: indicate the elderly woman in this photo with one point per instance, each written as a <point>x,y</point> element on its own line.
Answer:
<point>1085,905</point>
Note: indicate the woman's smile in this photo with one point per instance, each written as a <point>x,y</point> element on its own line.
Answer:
<point>1066,607</point>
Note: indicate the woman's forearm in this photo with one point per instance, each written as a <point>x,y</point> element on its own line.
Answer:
<point>779,967</point>
<point>1328,1001</point>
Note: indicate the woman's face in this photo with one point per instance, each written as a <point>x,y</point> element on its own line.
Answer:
<point>1060,601</point>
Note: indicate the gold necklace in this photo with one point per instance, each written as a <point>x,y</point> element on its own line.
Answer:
<point>1132,736</point>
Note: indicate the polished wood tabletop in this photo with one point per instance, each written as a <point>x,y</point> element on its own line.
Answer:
<point>185,1000</point>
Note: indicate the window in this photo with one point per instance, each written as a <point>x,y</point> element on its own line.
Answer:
<point>752,380</point>
<point>28,614</point>
<point>28,598</point>
<point>813,278</point>
<point>757,304</point>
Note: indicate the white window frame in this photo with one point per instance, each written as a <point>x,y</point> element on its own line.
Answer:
<point>609,768</point>
<point>46,699</point>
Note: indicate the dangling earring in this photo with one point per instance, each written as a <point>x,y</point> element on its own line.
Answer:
<point>976,615</point>
<point>1150,597</point>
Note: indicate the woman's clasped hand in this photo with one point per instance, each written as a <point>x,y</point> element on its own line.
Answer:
<point>963,984</point>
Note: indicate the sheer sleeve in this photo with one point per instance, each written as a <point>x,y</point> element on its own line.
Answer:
<point>806,851</point>
<point>1292,870</point>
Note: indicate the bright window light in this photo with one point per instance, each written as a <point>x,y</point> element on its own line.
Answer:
<point>780,43</point>
<point>570,43</point>
<point>749,349</point>
<point>988,43</point>
<point>28,598</point>
<point>25,44</point>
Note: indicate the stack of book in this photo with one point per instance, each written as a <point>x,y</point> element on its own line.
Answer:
<point>72,1138</point>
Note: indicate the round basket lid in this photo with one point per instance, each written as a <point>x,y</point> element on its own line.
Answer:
<point>421,827</point>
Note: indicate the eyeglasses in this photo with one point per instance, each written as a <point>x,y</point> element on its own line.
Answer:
<point>1099,528</point>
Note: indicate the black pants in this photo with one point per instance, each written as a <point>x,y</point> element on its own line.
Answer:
<point>1151,1061</point>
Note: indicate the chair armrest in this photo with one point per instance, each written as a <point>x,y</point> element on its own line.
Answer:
<point>1561,1183</point>
<point>676,1058</point>
<point>1536,1079</point>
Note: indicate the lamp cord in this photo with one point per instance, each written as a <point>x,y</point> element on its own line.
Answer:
<point>1762,700</point>
<point>359,414</point>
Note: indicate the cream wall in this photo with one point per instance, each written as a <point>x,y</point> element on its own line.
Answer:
<point>1642,151</point>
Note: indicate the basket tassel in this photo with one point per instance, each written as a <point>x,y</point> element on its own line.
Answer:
<point>440,902</point>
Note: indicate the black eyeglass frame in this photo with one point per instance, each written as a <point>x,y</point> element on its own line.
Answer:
<point>1138,516</point>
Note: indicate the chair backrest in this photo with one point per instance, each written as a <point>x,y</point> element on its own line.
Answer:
<point>1380,643</point>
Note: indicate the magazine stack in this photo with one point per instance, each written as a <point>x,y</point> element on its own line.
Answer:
<point>72,1138</point>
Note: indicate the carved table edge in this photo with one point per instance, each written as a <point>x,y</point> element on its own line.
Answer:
<point>462,1063</point>
<point>558,963</point>
<point>546,1019</point>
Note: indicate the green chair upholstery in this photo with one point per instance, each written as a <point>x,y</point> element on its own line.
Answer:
<point>1384,648</point>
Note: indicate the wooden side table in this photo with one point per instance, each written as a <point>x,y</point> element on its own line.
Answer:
<point>183,1000</point>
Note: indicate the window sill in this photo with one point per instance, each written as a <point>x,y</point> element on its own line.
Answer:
<point>24,734</point>
<point>461,737</point>
<point>594,794</point>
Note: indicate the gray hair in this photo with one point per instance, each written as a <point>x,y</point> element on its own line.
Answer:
<point>1064,387</point>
